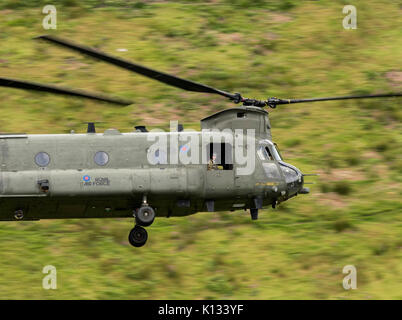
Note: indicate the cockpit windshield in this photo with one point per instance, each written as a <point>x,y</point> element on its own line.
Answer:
<point>269,152</point>
<point>276,153</point>
<point>264,153</point>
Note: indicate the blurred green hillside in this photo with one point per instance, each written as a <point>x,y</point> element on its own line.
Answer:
<point>288,49</point>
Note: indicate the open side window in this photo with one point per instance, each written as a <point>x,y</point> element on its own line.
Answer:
<point>220,156</point>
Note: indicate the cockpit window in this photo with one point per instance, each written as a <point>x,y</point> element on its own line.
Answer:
<point>276,153</point>
<point>269,152</point>
<point>264,153</point>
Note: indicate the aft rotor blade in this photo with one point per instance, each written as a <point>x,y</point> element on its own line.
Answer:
<point>28,85</point>
<point>276,101</point>
<point>145,71</point>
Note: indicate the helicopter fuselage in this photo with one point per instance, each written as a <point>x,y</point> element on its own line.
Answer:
<point>107,175</point>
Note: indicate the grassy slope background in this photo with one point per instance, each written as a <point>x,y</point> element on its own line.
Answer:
<point>277,48</point>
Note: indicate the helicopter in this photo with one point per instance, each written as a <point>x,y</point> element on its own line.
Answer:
<point>114,174</point>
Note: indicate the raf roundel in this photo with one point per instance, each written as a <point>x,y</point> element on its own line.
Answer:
<point>86,178</point>
<point>184,148</point>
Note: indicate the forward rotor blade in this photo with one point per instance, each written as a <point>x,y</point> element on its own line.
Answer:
<point>275,101</point>
<point>27,85</point>
<point>145,71</point>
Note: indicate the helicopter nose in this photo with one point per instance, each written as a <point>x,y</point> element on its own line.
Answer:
<point>293,177</point>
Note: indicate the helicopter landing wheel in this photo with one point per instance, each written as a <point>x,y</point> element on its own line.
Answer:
<point>138,236</point>
<point>145,216</point>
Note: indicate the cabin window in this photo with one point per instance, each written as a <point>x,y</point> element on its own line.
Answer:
<point>42,159</point>
<point>220,156</point>
<point>160,157</point>
<point>101,158</point>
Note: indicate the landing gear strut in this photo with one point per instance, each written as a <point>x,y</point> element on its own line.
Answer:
<point>144,217</point>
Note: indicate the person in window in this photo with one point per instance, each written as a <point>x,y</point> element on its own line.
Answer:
<point>212,163</point>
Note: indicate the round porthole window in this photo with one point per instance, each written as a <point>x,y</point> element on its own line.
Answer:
<point>42,159</point>
<point>160,157</point>
<point>101,158</point>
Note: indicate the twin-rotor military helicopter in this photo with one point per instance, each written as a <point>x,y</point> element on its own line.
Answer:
<point>94,175</point>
